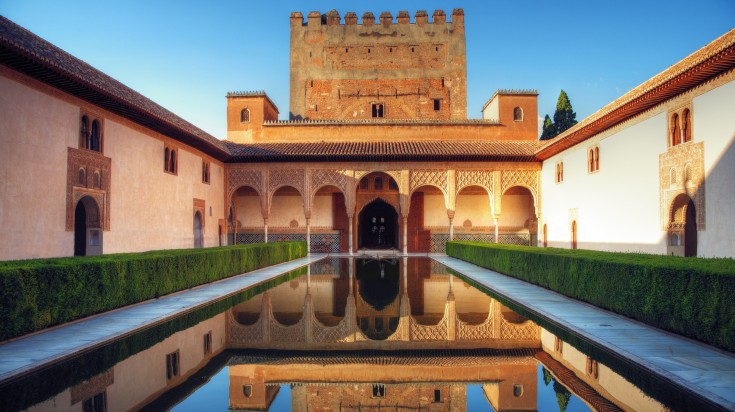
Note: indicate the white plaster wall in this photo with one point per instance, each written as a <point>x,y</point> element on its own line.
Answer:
<point>492,110</point>
<point>618,206</point>
<point>284,209</point>
<point>476,208</point>
<point>248,211</point>
<point>321,211</point>
<point>35,131</point>
<point>151,209</point>
<point>435,210</point>
<point>515,210</point>
<point>714,124</point>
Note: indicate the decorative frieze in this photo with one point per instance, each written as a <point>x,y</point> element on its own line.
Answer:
<point>88,174</point>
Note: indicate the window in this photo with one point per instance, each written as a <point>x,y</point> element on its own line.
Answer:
<point>245,116</point>
<point>208,343</point>
<point>518,114</point>
<point>517,391</point>
<point>437,395</point>
<point>97,180</point>
<point>169,160</point>
<point>172,365</point>
<point>97,403</point>
<point>378,391</point>
<point>593,159</point>
<point>205,171</point>
<point>377,110</point>
<point>591,368</point>
<point>378,183</point>
<point>559,172</point>
<point>675,134</point>
<point>90,133</point>
<point>558,345</point>
<point>437,104</point>
<point>82,177</point>
<point>686,126</point>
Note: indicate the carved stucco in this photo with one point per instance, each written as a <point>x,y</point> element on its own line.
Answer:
<point>681,171</point>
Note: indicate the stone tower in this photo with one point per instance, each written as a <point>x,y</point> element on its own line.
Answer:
<point>378,69</point>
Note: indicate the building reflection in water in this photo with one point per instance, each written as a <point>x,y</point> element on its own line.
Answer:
<point>352,334</point>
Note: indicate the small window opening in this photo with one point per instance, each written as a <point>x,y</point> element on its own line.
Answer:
<point>518,114</point>
<point>244,116</point>
<point>208,343</point>
<point>378,391</point>
<point>368,51</point>
<point>172,365</point>
<point>347,50</point>
<point>517,391</point>
<point>390,50</point>
<point>436,48</point>
<point>97,403</point>
<point>84,133</point>
<point>377,110</point>
<point>82,177</point>
<point>97,180</point>
<point>437,395</point>
<point>686,128</point>
<point>247,390</point>
<point>412,49</point>
<point>675,132</point>
<point>437,104</point>
<point>94,141</point>
<point>378,183</point>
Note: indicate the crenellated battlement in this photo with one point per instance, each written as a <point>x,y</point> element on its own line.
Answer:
<point>332,18</point>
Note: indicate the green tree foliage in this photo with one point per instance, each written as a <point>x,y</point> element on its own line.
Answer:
<point>562,396</point>
<point>548,129</point>
<point>564,118</point>
<point>547,374</point>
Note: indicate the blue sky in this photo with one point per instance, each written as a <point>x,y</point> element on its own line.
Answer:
<point>186,55</point>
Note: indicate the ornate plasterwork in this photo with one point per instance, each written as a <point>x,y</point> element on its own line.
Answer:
<point>93,181</point>
<point>437,178</point>
<point>483,178</point>
<point>286,177</point>
<point>681,171</point>
<point>395,174</point>
<point>237,178</point>
<point>328,177</point>
<point>525,178</point>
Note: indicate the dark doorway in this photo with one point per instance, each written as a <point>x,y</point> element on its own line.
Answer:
<point>80,230</point>
<point>198,241</point>
<point>690,231</point>
<point>378,226</point>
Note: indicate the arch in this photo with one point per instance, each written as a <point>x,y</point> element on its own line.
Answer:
<point>95,140</point>
<point>423,185</point>
<point>84,133</point>
<point>574,234</point>
<point>675,133</point>
<point>87,228</point>
<point>234,190</point>
<point>518,219</point>
<point>198,230</point>
<point>479,211</point>
<point>682,226</point>
<point>284,186</point>
<point>245,116</point>
<point>518,114</point>
<point>378,225</point>
<point>240,213</point>
<point>686,126</point>
<point>395,175</point>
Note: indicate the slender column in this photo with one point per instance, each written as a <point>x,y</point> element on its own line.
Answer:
<point>308,235</point>
<point>451,229</point>
<point>349,224</point>
<point>405,234</point>
<point>265,229</point>
<point>495,222</point>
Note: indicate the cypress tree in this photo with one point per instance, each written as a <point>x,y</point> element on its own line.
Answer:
<point>564,118</point>
<point>548,129</point>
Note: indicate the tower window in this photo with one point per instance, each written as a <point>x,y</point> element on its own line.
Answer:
<point>437,395</point>
<point>518,114</point>
<point>593,159</point>
<point>172,365</point>
<point>437,104</point>
<point>169,160</point>
<point>244,116</point>
<point>377,110</point>
<point>378,391</point>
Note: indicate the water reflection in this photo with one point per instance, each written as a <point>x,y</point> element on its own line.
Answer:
<point>377,304</point>
<point>348,334</point>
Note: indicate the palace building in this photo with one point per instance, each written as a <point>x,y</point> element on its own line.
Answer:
<point>378,153</point>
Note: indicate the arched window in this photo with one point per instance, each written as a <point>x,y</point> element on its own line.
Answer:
<point>82,177</point>
<point>378,183</point>
<point>84,133</point>
<point>97,179</point>
<point>591,161</point>
<point>518,114</point>
<point>244,116</point>
<point>686,128</point>
<point>95,140</point>
<point>687,173</point>
<point>166,157</point>
<point>597,159</point>
<point>169,160</point>
<point>172,167</point>
<point>675,133</point>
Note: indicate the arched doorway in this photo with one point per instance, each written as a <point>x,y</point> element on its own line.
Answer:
<point>682,227</point>
<point>378,226</point>
<point>87,229</point>
<point>198,232</point>
<point>517,223</point>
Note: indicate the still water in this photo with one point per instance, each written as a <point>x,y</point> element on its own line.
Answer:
<point>401,334</point>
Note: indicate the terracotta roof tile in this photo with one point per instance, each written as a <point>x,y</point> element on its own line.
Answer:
<point>521,151</point>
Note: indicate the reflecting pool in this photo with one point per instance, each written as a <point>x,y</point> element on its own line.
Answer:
<point>344,334</point>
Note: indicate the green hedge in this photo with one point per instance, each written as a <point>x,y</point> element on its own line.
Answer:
<point>38,293</point>
<point>690,296</point>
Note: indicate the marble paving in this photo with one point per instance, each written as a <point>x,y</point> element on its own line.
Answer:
<point>41,349</point>
<point>703,369</point>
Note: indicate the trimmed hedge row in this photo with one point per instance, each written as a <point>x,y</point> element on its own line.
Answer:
<point>38,293</point>
<point>693,297</point>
